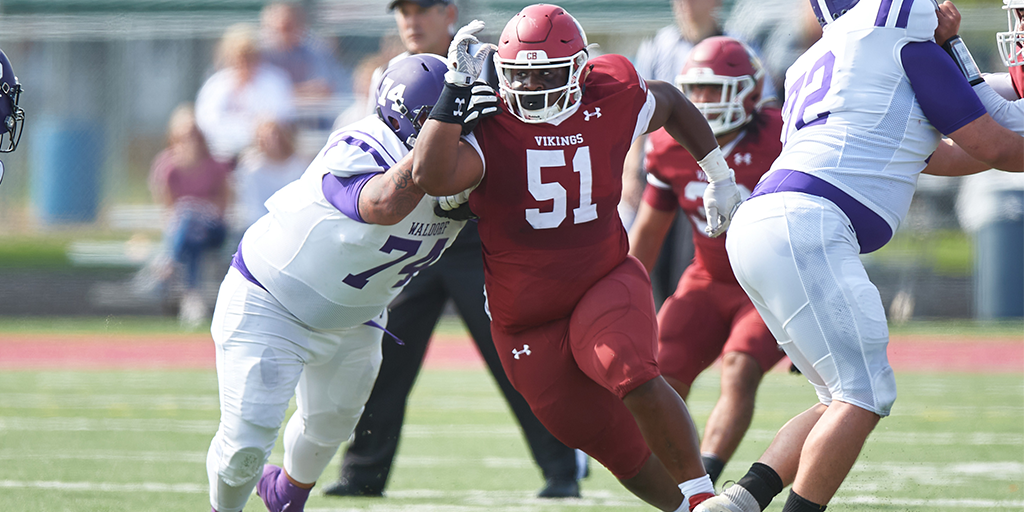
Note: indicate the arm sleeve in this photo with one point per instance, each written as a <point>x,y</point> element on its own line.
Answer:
<point>1007,113</point>
<point>343,193</point>
<point>946,98</point>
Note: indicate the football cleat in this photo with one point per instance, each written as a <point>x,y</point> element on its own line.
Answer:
<point>734,499</point>
<point>278,493</point>
<point>560,488</point>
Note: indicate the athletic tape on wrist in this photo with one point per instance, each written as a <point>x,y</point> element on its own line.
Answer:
<point>714,166</point>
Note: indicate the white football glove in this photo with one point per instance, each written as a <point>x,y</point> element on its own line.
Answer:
<point>449,203</point>
<point>466,55</point>
<point>721,199</point>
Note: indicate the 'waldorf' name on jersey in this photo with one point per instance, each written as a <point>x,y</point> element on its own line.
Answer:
<point>424,229</point>
<point>559,140</point>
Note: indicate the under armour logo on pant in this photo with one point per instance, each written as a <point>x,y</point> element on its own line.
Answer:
<point>524,351</point>
<point>458,111</point>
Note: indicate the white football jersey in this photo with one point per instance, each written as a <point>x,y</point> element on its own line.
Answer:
<point>332,271</point>
<point>851,116</point>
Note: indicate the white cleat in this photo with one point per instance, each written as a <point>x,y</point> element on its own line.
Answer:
<point>734,499</point>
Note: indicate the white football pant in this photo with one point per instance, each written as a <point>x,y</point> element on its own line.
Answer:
<point>264,356</point>
<point>797,257</point>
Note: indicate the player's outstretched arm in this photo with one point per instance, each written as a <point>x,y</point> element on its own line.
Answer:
<point>690,129</point>
<point>443,164</point>
<point>681,119</point>
<point>389,197</point>
<point>986,140</point>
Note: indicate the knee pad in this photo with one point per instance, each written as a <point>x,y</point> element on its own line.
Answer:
<point>243,466</point>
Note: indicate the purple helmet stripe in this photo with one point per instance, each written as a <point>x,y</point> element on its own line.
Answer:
<point>883,13</point>
<point>817,11</point>
<point>904,17</point>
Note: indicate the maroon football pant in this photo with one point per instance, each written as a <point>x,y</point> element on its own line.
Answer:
<point>705,318</point>
<point>574,372</point>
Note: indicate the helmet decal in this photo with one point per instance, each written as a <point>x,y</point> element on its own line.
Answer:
<point>407,91</point>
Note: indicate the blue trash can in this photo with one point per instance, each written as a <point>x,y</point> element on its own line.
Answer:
<point>999,260</point>
<point>66,156</point>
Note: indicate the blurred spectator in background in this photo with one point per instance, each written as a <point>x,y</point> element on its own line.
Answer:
<point>322,85</point>
<point>241,93</point>
<point>427,26</point>
<point>193,189</point>
<point>314,70</point>
<point>782,31</point>
<point>268,165</point>
<point>662,58</point>
<point>365,74</point>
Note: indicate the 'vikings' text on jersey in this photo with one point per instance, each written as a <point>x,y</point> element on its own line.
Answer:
<point>547,206</point>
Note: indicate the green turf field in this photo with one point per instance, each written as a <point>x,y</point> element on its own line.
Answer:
<point>128,440</point>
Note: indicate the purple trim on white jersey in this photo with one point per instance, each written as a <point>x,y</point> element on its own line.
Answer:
<point>883,13</point>
<point>239,264</point>
<point>872,231</point>
<point>361,144</point>
<point>904,17</point>
<point>343,193</point>
<point>946,98</point>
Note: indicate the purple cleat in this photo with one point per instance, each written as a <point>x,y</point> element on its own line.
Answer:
<point>278,493</point>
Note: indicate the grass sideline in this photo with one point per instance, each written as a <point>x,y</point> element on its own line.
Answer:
<point>131,440</point>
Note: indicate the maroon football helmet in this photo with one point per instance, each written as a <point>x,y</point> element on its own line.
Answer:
<point>544,38</point>
<point>725,62</point>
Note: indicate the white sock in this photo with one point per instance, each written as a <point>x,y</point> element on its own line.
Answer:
<point>698,485</point>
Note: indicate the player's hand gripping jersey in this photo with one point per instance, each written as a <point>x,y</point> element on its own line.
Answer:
<point>314,253</point>
<point>677,181</point>
<point>548,213</point>
<point>867,104</point>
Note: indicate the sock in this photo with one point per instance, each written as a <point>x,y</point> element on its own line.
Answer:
<point>762,482</point>
<point>797,503</point>
<point>696,491</point>
<point>713,465</point>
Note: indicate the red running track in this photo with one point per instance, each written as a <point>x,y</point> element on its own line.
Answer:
<point>195,351</point>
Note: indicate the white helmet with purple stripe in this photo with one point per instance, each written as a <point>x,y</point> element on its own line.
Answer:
<point>826,11</point>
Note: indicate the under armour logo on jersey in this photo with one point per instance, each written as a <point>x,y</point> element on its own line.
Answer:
<point>745,158</point>
<point>588,115</point>
<point>524,352</point>
<point>458,110</point>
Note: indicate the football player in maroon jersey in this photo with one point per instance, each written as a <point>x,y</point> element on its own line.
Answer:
<point>572,313</point>
<point>709,314</point>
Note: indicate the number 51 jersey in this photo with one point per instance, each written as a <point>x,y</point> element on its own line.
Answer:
<point>548,204</point>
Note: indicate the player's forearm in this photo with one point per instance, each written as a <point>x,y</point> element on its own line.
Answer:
<point>985,140</point>
<point>388,198</point>
<point>648,234</point>
<point>683,121</point>
<point>436,158</point>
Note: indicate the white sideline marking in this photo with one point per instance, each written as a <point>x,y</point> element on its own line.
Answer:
<point>105,487</point>
<point>492,499</point>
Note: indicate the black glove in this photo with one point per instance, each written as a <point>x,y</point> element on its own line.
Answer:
<point>465,105</point>
<point>461,212</point>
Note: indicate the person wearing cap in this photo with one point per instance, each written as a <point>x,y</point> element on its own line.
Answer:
<point>427,26</point>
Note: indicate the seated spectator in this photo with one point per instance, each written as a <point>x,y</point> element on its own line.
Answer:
<point>193,189</point>
<point>244,91</point>
<point>264,168</point>
<point>314,71</point>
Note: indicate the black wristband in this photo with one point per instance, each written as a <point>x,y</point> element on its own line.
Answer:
<point>452,105</point>
<point>957,49</point>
